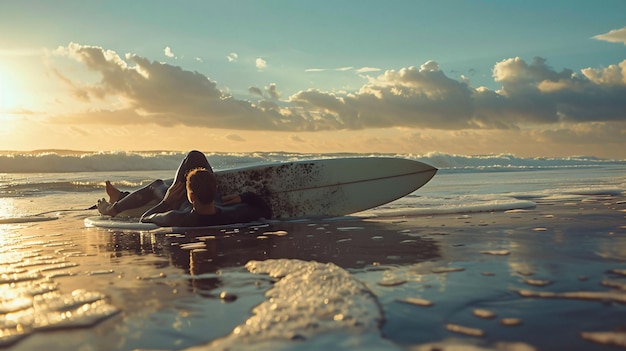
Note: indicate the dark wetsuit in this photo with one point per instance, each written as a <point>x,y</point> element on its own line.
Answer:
<point>156,190</point>
<point>251,208</point>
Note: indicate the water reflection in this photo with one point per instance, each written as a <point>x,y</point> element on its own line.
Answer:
<point>348,244</point>
<point>30,299</point>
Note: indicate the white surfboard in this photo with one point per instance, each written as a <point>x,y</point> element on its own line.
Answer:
<point>132,224</point>
<point>320,188</point>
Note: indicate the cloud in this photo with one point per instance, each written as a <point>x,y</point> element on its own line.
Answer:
<point>232,57</point>
<point>587,133</point>
<point>367,69</point>
<point>261,63</point>
<point>168,52</point>
<point>271,92</point>
<point>159,93</point>
<point>613,36</point>
<point>531,94</point>
<point>255,91</point>
<point>344,69</point>
<point>235,137</point>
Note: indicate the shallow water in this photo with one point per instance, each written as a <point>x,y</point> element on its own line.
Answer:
<point>550,272</point>
<point>165,294</point>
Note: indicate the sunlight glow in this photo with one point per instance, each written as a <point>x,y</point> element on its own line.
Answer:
<point>7,91</point>
<point>7,208</point>
<point>9,97</point>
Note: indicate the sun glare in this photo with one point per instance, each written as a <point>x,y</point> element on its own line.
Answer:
<point>8,96</point>
<point>8,93</point>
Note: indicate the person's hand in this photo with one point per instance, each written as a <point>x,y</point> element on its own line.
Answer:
<point>174,194</point>
<point>231,200</point>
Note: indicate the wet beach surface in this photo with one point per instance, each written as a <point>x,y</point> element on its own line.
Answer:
<point>550,277</point>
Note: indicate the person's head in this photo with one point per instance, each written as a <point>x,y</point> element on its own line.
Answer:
<point>201,186</point>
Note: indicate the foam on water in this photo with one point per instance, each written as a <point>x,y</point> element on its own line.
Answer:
<point>309,300</point>
<point>459,204</point>
<point>414,205</point>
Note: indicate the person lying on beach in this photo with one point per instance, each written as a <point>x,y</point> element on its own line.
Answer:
<point>189,201</point>
<point>201,188</point>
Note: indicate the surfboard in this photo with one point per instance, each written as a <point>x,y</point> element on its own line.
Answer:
<point>317,188</point>
<point>132,224</point>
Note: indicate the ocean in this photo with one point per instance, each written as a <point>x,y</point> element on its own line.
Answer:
<point>49,180</point>
<point>407,275</point>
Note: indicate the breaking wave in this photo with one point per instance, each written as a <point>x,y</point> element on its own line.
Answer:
<point>73,161</point>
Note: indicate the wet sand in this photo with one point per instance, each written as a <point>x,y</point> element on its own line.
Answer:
<point>552,277</point>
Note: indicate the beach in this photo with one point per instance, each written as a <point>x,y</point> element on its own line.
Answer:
<point>413,175</point>
<point>542,268</point>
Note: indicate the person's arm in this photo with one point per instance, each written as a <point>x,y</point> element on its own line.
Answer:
<point>251,199</point>
<point>167,219</point>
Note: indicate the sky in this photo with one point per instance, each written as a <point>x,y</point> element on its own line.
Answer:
<point>529,78</point>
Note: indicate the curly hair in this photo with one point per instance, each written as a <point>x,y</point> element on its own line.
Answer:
<point>202,184</point>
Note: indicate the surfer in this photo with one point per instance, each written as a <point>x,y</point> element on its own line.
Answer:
<point>201,189</point>
<point>186,201</point>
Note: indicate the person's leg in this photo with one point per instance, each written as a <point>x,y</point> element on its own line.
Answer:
<point>154,191</point>
<point>114,193</point>
<point>193,159</point>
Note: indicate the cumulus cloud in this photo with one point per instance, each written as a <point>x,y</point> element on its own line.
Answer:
<point>531,93</point>
<point>613,36</point>
<point>168,52</point>
<point>232,57</point>
<point>536,92</point>
<point>160,93</point>
<point>261,63</point>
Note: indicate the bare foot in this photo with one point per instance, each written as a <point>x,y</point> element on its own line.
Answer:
<point>114,193</point>
<point>105,208</point>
